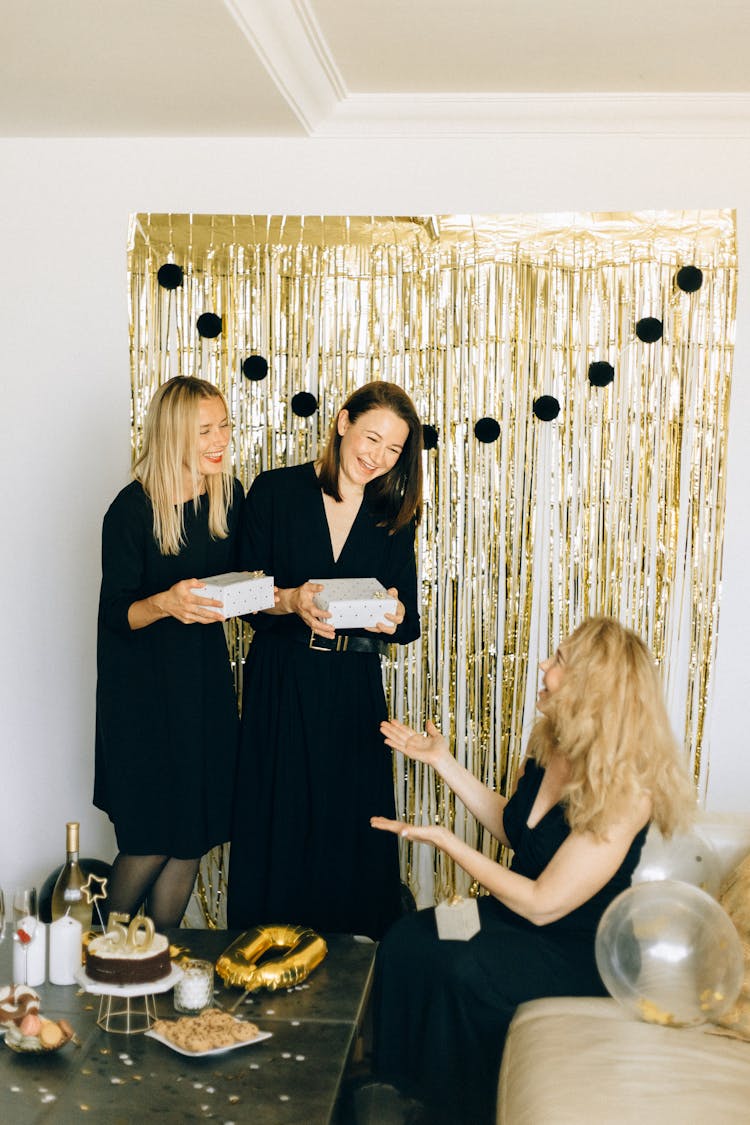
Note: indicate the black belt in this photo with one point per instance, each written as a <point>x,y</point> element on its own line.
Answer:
<point>342,643</point>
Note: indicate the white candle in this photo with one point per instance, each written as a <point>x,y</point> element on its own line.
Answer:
<point>65,941</point>
<point>30,957</point>
<point>194,991</point>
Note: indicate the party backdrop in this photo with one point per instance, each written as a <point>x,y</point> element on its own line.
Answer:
<point>572,372</point>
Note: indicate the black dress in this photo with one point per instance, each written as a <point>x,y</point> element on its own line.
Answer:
<point>313,765</point>
<point>442,1008</point>
<point>166,709</point>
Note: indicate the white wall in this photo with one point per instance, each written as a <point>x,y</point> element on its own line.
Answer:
<point>64,429</point>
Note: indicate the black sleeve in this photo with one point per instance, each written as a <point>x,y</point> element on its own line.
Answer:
<point>256,540</point>
<point>124,531</point>
<point>256,552</point>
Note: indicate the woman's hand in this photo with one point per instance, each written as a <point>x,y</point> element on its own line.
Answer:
<point>433,834</point>
<point>180,602</point>
<point>299,600</point>
<point>392,620</point>
<point>430,747</point>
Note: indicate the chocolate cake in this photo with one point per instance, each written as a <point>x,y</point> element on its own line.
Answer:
<point>126,965</point>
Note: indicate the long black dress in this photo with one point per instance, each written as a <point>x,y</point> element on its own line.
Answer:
<point>313,765</point>
<point>442,1008</point>
<point>166,709</point>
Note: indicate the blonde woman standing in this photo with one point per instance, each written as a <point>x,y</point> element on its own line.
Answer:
<point>602,764</point>
<point>166,724</point>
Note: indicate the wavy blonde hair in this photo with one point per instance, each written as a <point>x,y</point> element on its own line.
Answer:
<point>609,721</point>
<point>170,442</point>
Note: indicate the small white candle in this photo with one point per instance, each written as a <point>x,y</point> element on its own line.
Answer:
<point>194,991</point>
<point>65,941</point>
<point>30,957</point>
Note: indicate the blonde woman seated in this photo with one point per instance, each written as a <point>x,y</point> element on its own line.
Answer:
<point>601,764</point>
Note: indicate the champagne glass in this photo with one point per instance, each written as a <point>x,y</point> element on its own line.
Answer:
<point>24,907</point>
<point>24,904</point>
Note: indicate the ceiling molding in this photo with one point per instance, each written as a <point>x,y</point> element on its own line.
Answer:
<point>291,46</point>
<point>464,115</point>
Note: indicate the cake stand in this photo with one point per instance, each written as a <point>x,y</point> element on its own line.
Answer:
<point>127,1009</point>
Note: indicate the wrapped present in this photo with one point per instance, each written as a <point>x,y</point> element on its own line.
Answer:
<point>354,603</point>
<point>239,591</point>
<point>457,919</point>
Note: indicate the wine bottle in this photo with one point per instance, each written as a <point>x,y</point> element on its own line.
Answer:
<point>68,895</point>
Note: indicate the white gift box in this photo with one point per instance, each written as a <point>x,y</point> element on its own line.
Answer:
<point>457,919</point>
<point>238,591</point>
<point>354,603</point>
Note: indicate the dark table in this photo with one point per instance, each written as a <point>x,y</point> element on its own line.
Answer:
<point>294,1077</point>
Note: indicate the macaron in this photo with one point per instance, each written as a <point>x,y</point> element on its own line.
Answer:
<point>31,1024</point>
<point>50,1034</point>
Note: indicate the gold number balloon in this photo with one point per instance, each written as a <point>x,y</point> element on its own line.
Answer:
<point>238,965</point>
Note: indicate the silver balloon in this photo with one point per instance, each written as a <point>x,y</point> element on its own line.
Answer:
<point>688,858</point>
<point>670,954</point>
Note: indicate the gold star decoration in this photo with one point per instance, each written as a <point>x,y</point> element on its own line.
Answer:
<point>93,895</point>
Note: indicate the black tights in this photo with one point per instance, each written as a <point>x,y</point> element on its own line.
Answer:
<point>163,882</point>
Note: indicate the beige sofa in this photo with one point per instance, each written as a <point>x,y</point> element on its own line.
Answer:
<point>586,1060</point>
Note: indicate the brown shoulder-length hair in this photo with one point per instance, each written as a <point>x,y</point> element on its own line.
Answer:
<point>609,721</point>
<point>396,497</point>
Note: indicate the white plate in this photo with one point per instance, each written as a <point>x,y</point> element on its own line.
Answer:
<point>213,1050</point>
<point>151,988</point>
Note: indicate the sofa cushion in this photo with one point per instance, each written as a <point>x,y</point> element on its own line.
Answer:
<point>577,1059</point>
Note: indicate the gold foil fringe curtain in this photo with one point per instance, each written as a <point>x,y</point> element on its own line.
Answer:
<point>614,506</point>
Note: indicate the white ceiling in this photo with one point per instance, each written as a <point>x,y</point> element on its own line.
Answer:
<point>370,67</point>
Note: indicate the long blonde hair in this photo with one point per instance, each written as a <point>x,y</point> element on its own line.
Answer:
<point>170,442</point>
<point>609,722</point>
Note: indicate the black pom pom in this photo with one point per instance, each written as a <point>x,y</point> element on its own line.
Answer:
<point>429,436</point>
<point>487,430</point>
<point>208,325</point>
<point>689,279</point>
<point>649,329</point>
<point>304,404</point>
<point>170,276</point>
<point>601,373</point>
<point>546,407</point>
<point>255,367</point>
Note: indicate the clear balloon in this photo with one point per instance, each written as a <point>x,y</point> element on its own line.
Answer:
<point>670,954</point>
<point>688,858</point>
